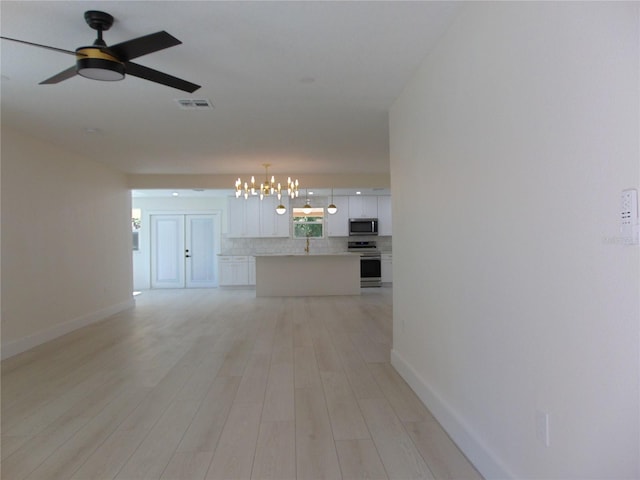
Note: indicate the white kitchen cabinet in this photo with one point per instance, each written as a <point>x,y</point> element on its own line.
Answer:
<point>235,217</point>
<point>255,218</point>
<point>338,223</point>
<point>243,217</point>
<point>234,270</point>
<point>272,224</point>
<point>384,216</point>
<point>251,269</point>
<point>363,207</point>
<point>387,268</point>
<point>252,217</point>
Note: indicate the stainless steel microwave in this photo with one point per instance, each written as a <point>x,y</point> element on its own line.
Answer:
<point>363,226</point>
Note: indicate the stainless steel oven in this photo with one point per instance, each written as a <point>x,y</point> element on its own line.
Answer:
<point>370,263</point>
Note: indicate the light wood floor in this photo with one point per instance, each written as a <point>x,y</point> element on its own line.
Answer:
<point>218,384</point>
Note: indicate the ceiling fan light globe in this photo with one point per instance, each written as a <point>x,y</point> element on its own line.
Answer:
<point>100,69</point>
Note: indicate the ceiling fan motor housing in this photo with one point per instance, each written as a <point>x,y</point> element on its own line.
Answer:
<point>94,63</point>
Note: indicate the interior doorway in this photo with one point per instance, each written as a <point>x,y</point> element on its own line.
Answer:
<point>183,250</point>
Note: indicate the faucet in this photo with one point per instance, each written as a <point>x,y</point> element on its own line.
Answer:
<point>306,249</point>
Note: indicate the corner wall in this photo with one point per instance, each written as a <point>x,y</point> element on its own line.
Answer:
<point>66,242</point>
<point>513,293</point>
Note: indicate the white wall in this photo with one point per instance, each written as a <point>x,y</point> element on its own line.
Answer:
<point>513,293</point>
<point>66,242</point>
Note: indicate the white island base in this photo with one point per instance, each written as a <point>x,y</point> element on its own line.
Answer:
<point>307,275</point>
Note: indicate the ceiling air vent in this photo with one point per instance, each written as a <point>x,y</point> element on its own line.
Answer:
<point>194,104</point>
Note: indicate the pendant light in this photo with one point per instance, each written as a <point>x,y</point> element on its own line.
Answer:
<point>281,209</point>
<point>306,209</point>
<point>331,209</point>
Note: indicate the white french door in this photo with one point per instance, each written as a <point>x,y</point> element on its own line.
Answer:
<point>183,251</point>
<point>200,264</point>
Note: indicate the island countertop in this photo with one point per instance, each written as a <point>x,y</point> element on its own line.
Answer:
<point>319,274</point>
<point>319,254</point>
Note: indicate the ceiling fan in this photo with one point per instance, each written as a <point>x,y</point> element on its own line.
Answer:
<point>100,62</point>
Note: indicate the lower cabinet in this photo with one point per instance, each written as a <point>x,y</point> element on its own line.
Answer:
<point>237,270</point>
<point>386,265</point>
<point>251,264</point>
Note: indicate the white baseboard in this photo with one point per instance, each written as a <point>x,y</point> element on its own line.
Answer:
<point>484,460</point>
<point>15,347</point>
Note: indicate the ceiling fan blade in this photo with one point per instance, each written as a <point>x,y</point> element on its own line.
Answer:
<point>159,77</point>
<point>63,75</point>
<point>143,45</point>
<point>61,50</point>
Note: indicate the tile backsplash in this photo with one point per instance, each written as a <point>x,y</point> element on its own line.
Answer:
<point>256,246</point>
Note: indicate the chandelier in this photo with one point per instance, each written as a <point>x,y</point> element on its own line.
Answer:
<point>267,188</point>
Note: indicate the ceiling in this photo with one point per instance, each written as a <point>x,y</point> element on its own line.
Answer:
<point>305,86</point>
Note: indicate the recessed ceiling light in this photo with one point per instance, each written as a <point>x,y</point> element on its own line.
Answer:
<point>358,193</point>
<point>175,194</point>
<point>307,80</point>
<point>310,193</point>
<point>91,130</point>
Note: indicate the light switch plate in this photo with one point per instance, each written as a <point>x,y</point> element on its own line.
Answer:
<point>629,216</point>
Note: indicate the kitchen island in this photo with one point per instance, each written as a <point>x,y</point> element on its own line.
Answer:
<point>307,275</point>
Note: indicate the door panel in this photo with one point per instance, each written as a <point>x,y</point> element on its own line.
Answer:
<point>167,251</point>
<point>200,264</point>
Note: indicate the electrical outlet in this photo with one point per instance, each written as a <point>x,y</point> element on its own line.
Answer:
<point>542,427</point>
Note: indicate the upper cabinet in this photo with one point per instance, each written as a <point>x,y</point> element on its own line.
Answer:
<point>254,218</point>
<point>359,207</point>
<point>363,207</point>
<point>384,216</point>
<point>272,224</point>
<point>243,217</point>
<point>338,223</point>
